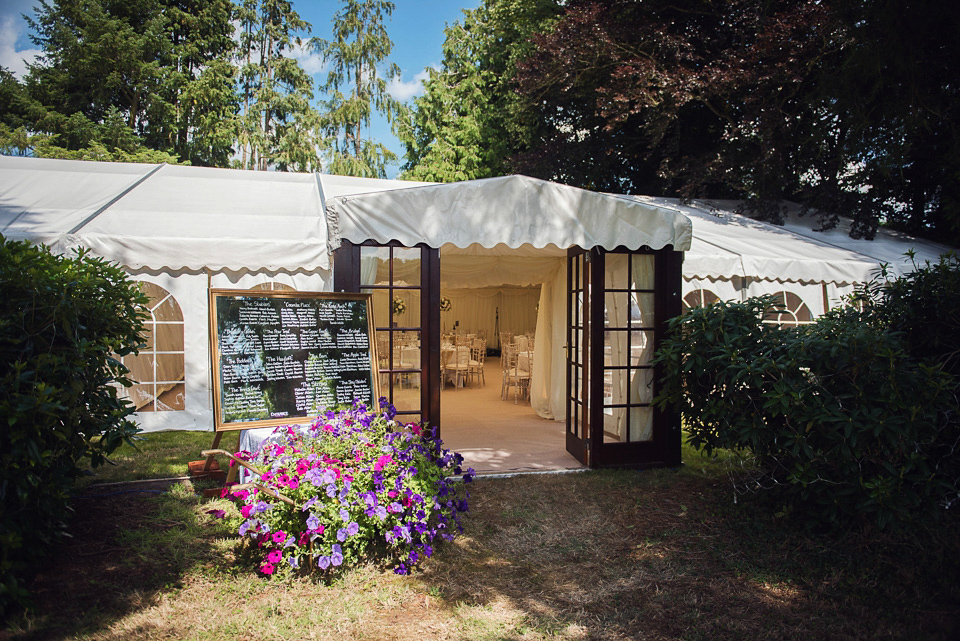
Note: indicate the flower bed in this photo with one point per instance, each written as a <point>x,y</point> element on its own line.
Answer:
<point>359,485</point>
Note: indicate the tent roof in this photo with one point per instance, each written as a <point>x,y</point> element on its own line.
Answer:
<point>166,215</point>
<point>725,242</point>
<point>512,211</point>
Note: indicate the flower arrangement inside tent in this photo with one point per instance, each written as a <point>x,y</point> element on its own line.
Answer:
<point>399,306</point>
<point>355,484</point>
<point>445,304</point>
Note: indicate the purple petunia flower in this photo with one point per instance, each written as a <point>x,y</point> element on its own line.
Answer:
<point>323,562</point>
<point>313,522</point>
<point>294,562</point>
<point>345,515</point>
<point>341,535</point>
<point>353,528</point>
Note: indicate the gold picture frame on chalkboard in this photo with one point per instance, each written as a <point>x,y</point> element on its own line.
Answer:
<point>280,357</point>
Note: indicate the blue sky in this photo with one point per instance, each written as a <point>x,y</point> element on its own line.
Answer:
<point>416,29</point>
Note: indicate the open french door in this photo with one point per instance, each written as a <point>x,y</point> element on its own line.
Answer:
<point>578,355</point>
<point>618,304</point>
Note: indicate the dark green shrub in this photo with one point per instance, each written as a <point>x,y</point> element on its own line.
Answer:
<point>844,424</point>
<point>924,306</point>
<point>63,322</point>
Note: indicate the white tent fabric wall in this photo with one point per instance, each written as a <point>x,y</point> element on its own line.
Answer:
<point>189,228</point>
<point>736,257</point>
<point>183,229</point>
<point>476,311</point>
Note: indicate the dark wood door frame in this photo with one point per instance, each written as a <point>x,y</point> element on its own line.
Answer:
<point>664,448</point>
<point>346,278</point>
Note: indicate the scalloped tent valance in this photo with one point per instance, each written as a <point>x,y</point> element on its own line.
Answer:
<point>510,211</point>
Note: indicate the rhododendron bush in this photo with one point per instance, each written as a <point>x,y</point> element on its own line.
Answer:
<point>358,485</point>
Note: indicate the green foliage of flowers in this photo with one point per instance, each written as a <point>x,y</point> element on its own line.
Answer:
<point>845,425</point>
<point>359,485</point>
<point>64,321</point>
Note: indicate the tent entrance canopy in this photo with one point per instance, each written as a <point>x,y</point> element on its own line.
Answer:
<point>494,233</point>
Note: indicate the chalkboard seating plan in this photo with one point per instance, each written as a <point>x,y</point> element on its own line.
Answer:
<point>283,356</point>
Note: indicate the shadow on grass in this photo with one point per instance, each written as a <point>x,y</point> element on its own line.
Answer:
<point>596,555</point>
<point>129,545</point>
<point>658,555</point>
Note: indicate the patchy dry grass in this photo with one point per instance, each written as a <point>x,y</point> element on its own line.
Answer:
<point>156,455</point>
<point>596,555</point>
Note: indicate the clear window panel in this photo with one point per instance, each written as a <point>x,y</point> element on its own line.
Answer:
<point>172,399</point>
<point>615,392</point>
<point>641,424</point>
<point>642,307</point>
<point>617,275</point>
<point>614,424</point>
<point>149,331</point>
<point>641,385</point>
<point>405,308</point>
<point>406,392</point>
<point>407,419</point>
<point>155,292</point>
<point>169,368</point>
<point>374,265</point>
<point>168,337</point>
<point>381,307</point>
<point>168,310</point>
<point>383,349</point>
<point>641,347</point>
<point>406,266</point>
<point>642,271</point>
<point>140,366</point>
<point>617,310</point>
<point>141,396</point>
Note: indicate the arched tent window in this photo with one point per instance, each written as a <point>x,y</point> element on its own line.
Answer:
<point>158,369</point>
<point>273,287</point>
<point>790,311</point>
<point>699,298</point>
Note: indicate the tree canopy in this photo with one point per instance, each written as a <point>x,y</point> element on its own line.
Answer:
<point>847,107</point>
<point>467,123</point>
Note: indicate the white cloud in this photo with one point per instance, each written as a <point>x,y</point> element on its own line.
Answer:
<point>15,61</point>
<point>403,90</point>
<point>311,62</point>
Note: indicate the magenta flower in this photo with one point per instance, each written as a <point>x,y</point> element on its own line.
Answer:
<point>274,556</point>
<point>267,568</point>
<point>279,536</point>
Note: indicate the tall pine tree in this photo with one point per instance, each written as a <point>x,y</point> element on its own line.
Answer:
<point>356,88</point>
<point>277,121</point>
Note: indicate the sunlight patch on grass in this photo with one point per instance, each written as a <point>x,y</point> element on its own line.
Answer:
<point>156,455</point>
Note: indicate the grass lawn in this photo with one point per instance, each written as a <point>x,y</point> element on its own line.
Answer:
<point>662,554</point>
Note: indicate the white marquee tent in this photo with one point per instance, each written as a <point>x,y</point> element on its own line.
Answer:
<point>184,230</point>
